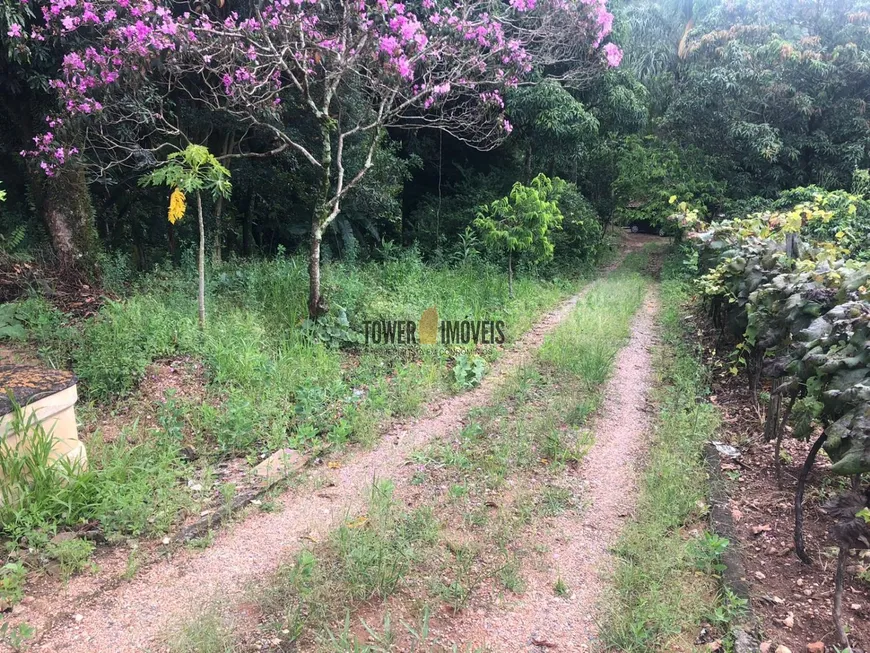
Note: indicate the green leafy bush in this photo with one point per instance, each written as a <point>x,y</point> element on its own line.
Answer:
<point>580,241</point>
<point>73,555</point>
<point>333,330</point>
<point>123,340</point>
<point>848,224</point>
<point>468,370</point>
<point>807,315</point>
<point>12,577</point>
<point>652,171</point>
<point>11,322</point>
<point>521,223</point>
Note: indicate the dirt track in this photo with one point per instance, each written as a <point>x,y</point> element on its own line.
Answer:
<point>578,547</point>
<point>101,613</point>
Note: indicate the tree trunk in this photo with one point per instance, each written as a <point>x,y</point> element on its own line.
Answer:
<point>247,230</point>
<point>317,306</point>
<point>780,432</point>
<point>799,500</point>
<point>64,203</point>
<point>219,206</point>
<point>771,423</point>
<point>842,558</point>
<point>173,241</point>
<point>201,262</point>
<point>218,230</point>
<point>527,163</point>
<point>511,275</point>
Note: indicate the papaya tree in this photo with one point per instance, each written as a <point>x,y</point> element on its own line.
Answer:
<point>521,223</point>
<point>193,170</point>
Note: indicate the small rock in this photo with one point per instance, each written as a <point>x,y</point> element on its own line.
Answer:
<point>800,582</point>
<point>783,649</point>
<point>855,606</point>
<point>280,464</point>
<point>778,600</point>
<point>760,575</point>
<point>165,540</point>
<point>78,618</point>
<point>63,537</point>
<point>816,647</point>
<point>765,647</point>
<point>808,592</point>
<point>788,622</point>
<point>18,609</point>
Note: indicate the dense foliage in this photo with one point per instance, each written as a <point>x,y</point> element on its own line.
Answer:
<point>798,305</point>
<point>805,311</point>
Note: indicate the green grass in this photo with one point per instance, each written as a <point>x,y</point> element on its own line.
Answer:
<point>661,594</point>
<point>551,397</point>
<point>205,634</point>
<point>269,386</point>
<point>255,308</point>
<point>366,558</point>
<point>132,488</point>
<point>586,344</point>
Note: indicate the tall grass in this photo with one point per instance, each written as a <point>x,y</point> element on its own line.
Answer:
<point>268,387</point>
<point>365,558</point>
<point>525,437</point>
<point>132,489</point>
<point>272,386</point>
<point>36,490</point>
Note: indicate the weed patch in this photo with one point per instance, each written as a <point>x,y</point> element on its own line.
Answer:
<point>366,558</point>
<point>269,384</point>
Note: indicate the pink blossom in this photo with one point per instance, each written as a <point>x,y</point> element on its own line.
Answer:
<point>390,45</point>
<point>613,54</point>
<point>404,68</point>
<point>523,5</point>
<point>423,51</point>
<point>14,31</point>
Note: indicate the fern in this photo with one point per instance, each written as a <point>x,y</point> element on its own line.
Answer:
<point>11,242</point>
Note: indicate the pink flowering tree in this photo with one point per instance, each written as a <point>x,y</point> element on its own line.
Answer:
<point>28,58</point>
<point>426,64</point>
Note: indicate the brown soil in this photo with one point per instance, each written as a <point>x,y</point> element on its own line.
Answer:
<point>68,289</point>
<point>181,377</point>
<point>11,354</point>
<point>780,584</point>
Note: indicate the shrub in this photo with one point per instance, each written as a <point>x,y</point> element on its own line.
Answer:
<point>581,239</point>
<point>124,339</point>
